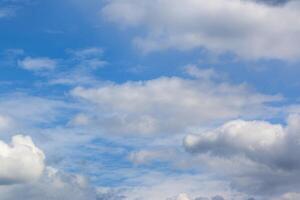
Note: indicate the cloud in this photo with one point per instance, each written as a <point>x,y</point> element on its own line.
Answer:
<point>273,2</point>
<point>248,29</point>
<point>167,104</point>
<point>37,64</point>
<point>289,196</point>
<point>52,185</point>
<point>88,57</point>
<point>21,161</point>
<point>76,67</point>
<point>182,197</point>
<point>218,197</point>
<point>256,156</point>
<point>87,52</point>
<point>79,67</point>
<point>109,194</point>
<point>24,175</point>
<point>19,112</point>
<point>5,123</point>
<point>146,156</point>
<point>163,186</point>
<point>205,74</point>
<point>80,120</point>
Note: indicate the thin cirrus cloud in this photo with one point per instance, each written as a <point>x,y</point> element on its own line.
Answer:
<point>37,64</point>
<point>88,57</point>
<point>77,66</point>
<point>248,29</point>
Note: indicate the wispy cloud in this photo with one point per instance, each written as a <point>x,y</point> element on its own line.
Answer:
<point>38,63</point>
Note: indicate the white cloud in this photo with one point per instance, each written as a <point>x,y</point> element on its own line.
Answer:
<point>289,196</point>
<point>168,105</point>
<point>80,120</point>
<point>146,156</point>
<point>21,161</point>
<point>256,156</point>
<point>183,196</point>
<point>88,57</point>
<point>87,52</point>
<point>38,64</point>
<point>82,63</point>
<point>53,185</point>
<point>20,111</point>
<point>206,74</point>
<point>246,28</point>
<point>24,175</point>
<point>167,187</point>
<point>5,123</point>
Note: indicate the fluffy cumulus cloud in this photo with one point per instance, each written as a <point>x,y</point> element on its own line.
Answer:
<point>21,161</point>
<point>167,104</point>
<point>24,175</point>
<point>246,28</point>
<point>258,157</point>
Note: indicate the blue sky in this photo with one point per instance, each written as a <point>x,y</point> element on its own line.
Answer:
<point>149,100</point>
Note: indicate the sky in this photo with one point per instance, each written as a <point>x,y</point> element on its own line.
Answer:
<point>149,100</point>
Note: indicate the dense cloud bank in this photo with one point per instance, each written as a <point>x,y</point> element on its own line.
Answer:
<point>248,29</point>
<point>258,157</point>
